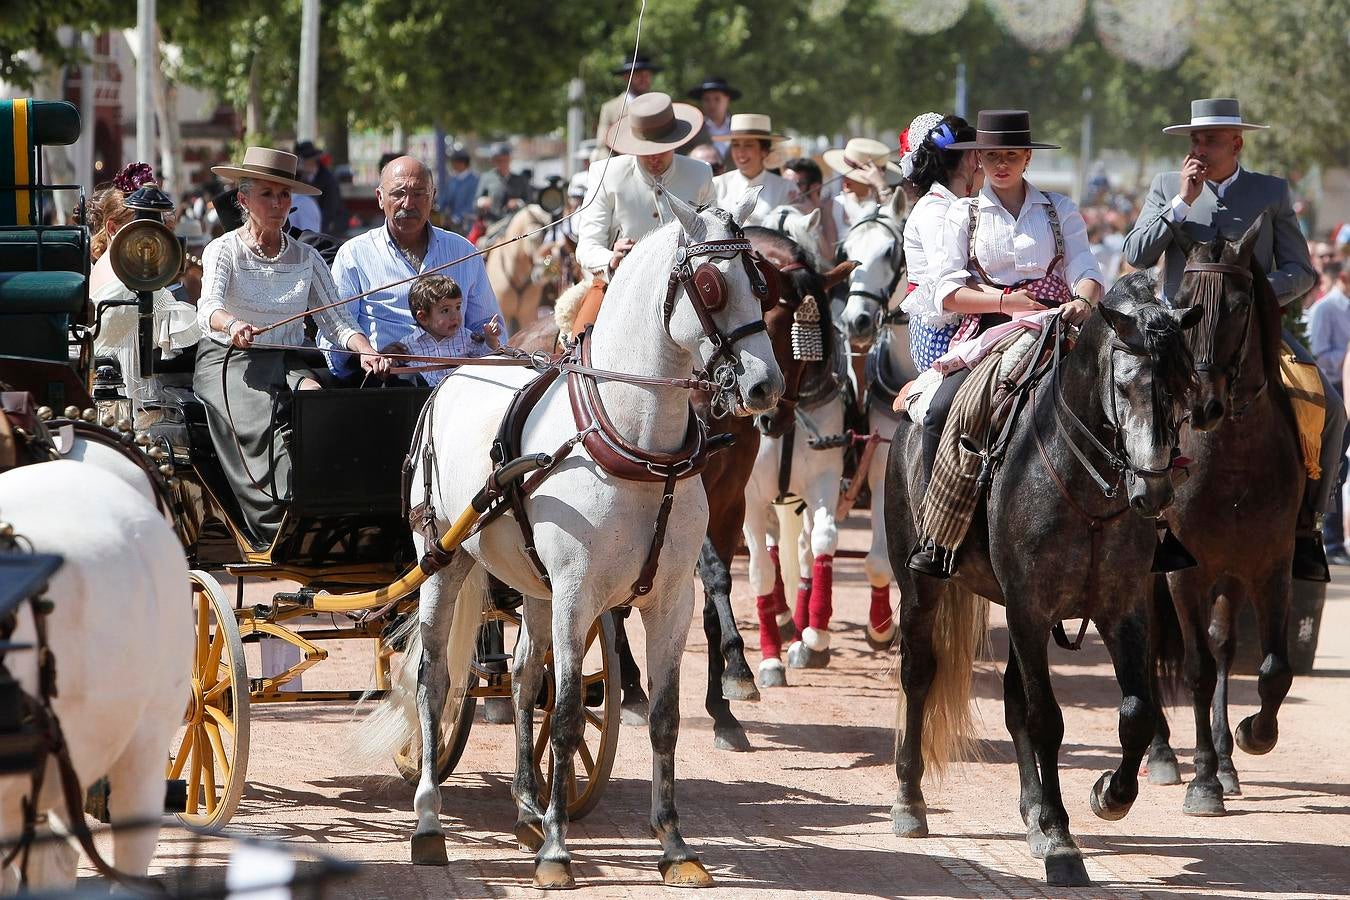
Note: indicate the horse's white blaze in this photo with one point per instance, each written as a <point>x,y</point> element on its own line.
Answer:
<point>122,635</point>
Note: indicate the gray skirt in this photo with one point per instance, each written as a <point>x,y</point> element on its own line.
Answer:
<point>251,436</point>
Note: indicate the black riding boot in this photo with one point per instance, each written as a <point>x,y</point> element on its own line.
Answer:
<point>1171,555</point>
<point>926,559</point>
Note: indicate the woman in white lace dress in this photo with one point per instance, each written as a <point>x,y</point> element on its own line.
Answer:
<point>254,277</point>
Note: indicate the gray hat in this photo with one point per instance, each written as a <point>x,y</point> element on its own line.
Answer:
<point>1214,112</point>
<point>501,148</point>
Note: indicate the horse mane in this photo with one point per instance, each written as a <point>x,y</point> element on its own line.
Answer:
<point>804,281</point>
<point>1165,342</point>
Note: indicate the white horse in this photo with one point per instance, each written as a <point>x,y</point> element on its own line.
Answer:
<point>802,228</point>
<point>876,243</point>
<point>592,532</point>
<point>121,634</point>
<point>814,481</point>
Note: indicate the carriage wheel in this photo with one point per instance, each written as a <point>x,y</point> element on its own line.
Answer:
<point>600,732</point>
<point>456,722</point>
<point>212,753</point>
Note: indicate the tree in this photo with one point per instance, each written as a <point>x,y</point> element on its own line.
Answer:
<point>30,31</point>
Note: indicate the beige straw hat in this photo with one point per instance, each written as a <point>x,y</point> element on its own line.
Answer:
<point>268,165</point>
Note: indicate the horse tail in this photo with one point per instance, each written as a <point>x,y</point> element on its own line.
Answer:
<point>1169,649</point>
<point>960,636</point>
<point>394,725</point>
<point>568,304</point>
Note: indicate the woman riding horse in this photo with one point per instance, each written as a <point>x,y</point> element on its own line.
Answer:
<point>256,277</point>
<point>1011,251</point>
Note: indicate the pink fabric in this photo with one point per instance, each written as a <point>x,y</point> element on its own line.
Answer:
<point>967,354</point>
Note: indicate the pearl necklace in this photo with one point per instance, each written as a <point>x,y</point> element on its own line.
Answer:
<point>256,247</point>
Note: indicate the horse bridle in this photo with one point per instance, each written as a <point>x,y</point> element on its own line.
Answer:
<point>707,291</point>
<point>1209,293</point>
<point>1119,458</point>
<point>897,241</point>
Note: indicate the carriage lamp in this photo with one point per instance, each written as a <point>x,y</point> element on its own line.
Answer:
<point>552,196</point>
<point>146,256</point>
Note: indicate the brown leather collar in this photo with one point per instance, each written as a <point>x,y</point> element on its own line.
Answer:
<point>614,453</point>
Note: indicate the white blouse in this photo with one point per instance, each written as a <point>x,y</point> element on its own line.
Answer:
<point>175,329</point>
<point>246,286</point>
<point>923,247</point>
<point>775,191</point>
<point>1012,249</point>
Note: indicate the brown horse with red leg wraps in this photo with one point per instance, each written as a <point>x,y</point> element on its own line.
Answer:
<point>729,675</point>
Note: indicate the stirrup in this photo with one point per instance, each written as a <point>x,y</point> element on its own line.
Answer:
<point>1310,558</point>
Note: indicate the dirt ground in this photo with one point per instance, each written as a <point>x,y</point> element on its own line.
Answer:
<point>807,812</point>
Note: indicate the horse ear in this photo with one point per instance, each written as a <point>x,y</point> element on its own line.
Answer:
<point>897,204</point>
<point>1122,323</point>
<point>813,219</point>
<point>687,215</point>
<point>1179,237</point>
<point>1244,246</point>
<point>746,205</point>
<point>839,273</point>
<point>1189,317</point>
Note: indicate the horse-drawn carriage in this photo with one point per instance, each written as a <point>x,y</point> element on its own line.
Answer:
<point>345,527</point>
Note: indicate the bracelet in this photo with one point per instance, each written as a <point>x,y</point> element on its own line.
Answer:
<point>1084,299</point>
<point>230,324</point>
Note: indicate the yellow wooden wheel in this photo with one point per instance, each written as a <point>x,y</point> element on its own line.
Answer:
<point>600,690</point>
<point>211,753</point>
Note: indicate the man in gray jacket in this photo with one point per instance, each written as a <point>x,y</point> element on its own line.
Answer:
<point>1213,194</point>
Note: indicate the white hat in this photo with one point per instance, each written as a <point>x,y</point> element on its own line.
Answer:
<point>579,184</point>
<point>857,153</point>
<point>268,165</point>
<point>750,125</point>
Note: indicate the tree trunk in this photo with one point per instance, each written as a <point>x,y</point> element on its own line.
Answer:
<point>170,133</point>
<point>253,112</point>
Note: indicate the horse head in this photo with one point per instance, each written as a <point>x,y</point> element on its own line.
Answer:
<point>800,228</point>
<point>716,303</point>
<point>876,242</point>
<point>1219,280</point>
<point>1146,378</point>
<point>799,323</point>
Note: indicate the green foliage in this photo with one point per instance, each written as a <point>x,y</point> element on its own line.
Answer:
<point>33,27</point>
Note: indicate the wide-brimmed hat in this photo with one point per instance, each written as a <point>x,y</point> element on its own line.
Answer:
<point>857,153</point>
<point>639,62</point>
<point>268,165</point>
<point>1214,112</point>
<point>750,125</point>
<point>714,83</point>
<point>1002,129</point>
<point>654,124</point>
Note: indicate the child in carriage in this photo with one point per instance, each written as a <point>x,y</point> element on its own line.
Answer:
<point>437,303</point>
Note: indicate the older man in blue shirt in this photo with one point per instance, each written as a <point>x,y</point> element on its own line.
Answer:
<point>405,246</point>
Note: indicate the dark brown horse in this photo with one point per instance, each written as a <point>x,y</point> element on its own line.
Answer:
<point>1236,514</point>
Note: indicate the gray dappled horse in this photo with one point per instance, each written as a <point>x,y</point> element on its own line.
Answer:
<point>1050,545</point>
<point>1236,514</point>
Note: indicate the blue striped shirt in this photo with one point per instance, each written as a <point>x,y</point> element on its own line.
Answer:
<point>373,259</point>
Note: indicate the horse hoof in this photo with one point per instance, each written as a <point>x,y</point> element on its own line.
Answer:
<point>1101,803</point>
<point>428,849</point>
<point>772,674</point>
<point>1163,769</point>
<point>685,873</point>
<point>554,876</point>
<point>731,737</point>
<point>910,821</point>
<point>529,835</point>
<point>1204,802</point>
<point>741,688</point>
<point>801,656</point>
<point>1249,743</point>
<point>498,711</point>
<point>1228,777</point>
<point>1064,868</point>
<point>881,640</point>
<point>633,713</point>
<point>816,639</point>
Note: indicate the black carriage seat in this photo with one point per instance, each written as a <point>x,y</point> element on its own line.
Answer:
<point>44,270</point>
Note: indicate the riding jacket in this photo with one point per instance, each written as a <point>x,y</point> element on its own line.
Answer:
<point>629,203</point>
<point>775,191</point>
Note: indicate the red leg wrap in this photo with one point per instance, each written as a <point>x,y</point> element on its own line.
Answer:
<point>801,616</point>
<point>822,592</point>
<point>880,613</point>
<point>770,644</point>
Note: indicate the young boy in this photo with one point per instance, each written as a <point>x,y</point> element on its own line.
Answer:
<point>436,303</point>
